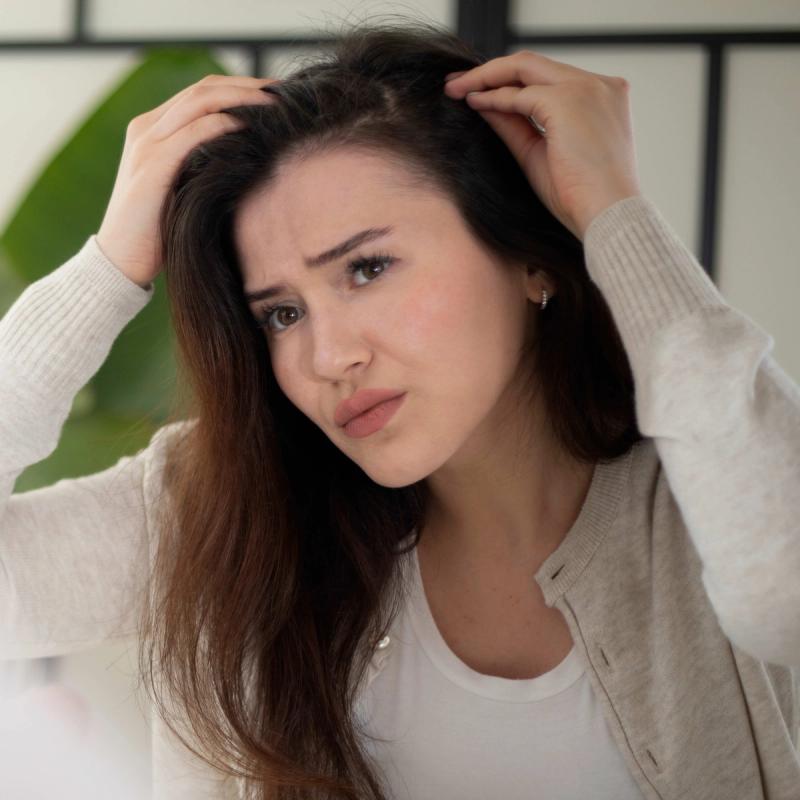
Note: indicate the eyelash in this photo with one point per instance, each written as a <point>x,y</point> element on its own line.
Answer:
<point>382,259</point>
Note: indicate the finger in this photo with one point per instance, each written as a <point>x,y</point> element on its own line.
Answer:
<point>199,131</point>
<point>214,80</point>
<point>524,67</point>
<point>528,101</point>
<point>206,100</point>
<point>516,133</point>
<point>526,147</point>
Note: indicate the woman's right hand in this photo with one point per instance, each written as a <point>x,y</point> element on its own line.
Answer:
<point>156,142</point>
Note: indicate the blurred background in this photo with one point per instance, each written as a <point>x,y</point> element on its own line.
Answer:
<point>715,90</point>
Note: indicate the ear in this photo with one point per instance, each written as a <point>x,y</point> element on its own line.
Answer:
<point>538,280</point>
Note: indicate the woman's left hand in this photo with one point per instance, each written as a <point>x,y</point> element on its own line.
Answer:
<point>587,160</point>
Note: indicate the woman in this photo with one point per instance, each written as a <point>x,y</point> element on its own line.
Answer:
<point>563,526</point>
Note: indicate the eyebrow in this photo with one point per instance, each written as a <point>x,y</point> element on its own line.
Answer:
<point>322,259</point>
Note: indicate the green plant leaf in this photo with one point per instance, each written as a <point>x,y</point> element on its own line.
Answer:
<point>63,207</point>
<point>88,445</point>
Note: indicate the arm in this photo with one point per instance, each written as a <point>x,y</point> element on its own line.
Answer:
<point>75,556</point>
<point>72,555</point>
<point>724,416</point>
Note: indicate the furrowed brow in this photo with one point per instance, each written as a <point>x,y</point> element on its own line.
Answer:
<point>334,254</point>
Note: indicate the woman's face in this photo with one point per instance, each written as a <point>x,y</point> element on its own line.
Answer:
<point>430,312</point>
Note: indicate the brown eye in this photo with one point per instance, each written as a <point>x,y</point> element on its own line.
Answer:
<point>363,264</point>
<point>381,260</point>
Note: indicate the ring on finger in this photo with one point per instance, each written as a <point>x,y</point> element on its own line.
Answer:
<point>541,130</point>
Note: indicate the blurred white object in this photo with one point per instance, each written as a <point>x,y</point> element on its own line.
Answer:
<point>50,750</point>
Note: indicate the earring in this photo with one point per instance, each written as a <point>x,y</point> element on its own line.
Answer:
<point>544,299</point>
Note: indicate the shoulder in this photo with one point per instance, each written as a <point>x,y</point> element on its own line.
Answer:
<point>654,514</point>
<point>157,456</point>
<point>167,435</point>
<point>649,488</point>
<point>649,529</point>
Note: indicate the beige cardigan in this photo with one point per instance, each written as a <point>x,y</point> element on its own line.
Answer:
<point>680,579</point>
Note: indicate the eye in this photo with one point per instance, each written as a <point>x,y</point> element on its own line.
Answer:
<point>383,260</point>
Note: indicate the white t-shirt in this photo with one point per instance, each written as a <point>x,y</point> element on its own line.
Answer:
<point>456,734</point>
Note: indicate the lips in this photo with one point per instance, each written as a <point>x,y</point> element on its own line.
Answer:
<point>360,402</point>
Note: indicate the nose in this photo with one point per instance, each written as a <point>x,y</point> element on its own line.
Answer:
<point>337,343</point>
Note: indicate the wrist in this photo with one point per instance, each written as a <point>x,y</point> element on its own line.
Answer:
<point>600,204</point>
<point>139,277</point>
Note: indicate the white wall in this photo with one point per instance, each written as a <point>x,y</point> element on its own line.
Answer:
<point>44,95</point>
<point>757,261</point>
<point>628,15</point>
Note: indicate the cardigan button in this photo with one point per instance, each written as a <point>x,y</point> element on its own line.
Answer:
<point>384,642</point>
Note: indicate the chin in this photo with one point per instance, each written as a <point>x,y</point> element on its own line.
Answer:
<point>393,479</point>
<point>397,474</point>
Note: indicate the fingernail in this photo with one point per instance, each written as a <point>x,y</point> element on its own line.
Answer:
<point>451,75</point>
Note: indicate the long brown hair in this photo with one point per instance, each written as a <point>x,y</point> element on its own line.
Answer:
<point>276,565</point>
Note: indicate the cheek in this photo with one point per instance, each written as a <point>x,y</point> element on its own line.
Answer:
<point>465,331</point>
<point>436,315</point>
<point>287,380</point>
<point>282,382</point>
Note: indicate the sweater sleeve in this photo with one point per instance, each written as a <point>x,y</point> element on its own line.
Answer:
<point>72,555</point>
<point>724,416</point>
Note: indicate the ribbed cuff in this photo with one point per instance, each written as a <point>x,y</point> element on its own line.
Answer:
<point>647,275</point>
<point>59,331</point>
